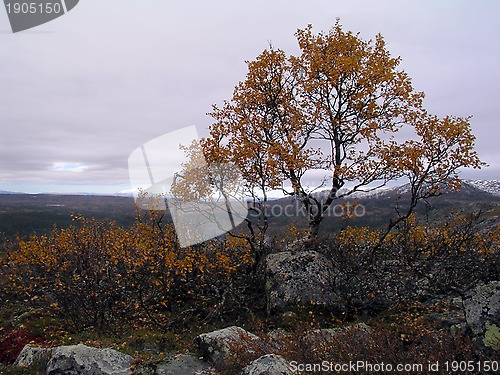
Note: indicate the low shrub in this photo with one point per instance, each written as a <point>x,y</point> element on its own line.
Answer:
<point>101,276</point>
<point>416,343</point>
<point>13,341</point>
<point>414,263</point>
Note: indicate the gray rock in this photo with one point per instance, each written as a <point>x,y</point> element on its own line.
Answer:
<point>448,313</point>
<point>447,319</point>
<point>219,345</point>
<point>83,360</point>
<point>32,354</point>
<point>299,279</point>
<point>278,335</point>
<point>184,365</point>
<point>27,315</point>
<point>269,364</point>
<point>319,338</point>
<point>482,311</point>
<point>330,333</point>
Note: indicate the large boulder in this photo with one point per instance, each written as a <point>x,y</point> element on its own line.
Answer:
<point>482,312</point>
<point>295,279</point>
<point>84,360</point>
<point>220,345</point>
<point>31,355</point>
<point>269,364</point>
<point>184,364</point>
<point>447,312</point>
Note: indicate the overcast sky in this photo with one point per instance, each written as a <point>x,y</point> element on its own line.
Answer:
<point>80,93</point>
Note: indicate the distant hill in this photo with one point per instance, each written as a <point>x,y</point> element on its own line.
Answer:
<point>25,214</point>
<point>489,186</point>
<point>485,186</point>
<point>9,192</point>
<point>375,208</point>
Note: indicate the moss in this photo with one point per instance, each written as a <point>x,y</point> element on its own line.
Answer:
<point>38,367</point>
<point>492,336</point>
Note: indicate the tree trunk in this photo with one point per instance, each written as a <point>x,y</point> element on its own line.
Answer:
<point>311,239</point>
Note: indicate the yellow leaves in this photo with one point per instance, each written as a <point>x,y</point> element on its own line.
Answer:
<point>451,238</point>
<point>99,262</point>
<point>262,122</point>
<point>362,237</point>
<point>336,107</point>
<point>441,148</point>
<point>296,233</point>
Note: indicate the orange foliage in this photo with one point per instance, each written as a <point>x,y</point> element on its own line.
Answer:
<point>338,107</point>
<point>99,275</point>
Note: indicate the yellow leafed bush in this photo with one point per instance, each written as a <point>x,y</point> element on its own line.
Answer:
<point>99,275</point>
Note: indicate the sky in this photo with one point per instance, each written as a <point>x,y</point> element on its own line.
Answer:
<point>79,94</point>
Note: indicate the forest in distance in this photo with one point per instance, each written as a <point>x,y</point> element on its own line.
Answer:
<point>26,214</point>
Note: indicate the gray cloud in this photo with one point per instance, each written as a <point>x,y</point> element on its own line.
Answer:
<point>95,84</point>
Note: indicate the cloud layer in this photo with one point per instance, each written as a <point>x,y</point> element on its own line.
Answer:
<point>83,91</point>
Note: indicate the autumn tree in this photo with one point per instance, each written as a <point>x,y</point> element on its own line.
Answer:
<point>336,109</point>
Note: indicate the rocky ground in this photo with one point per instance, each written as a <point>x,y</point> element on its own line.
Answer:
<point>293,279</point>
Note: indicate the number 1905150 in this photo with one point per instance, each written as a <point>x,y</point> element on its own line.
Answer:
<point>34,8</point>
<point>471,366</point>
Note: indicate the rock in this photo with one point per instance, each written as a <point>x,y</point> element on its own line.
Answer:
<point>448,313</point>
<point>83,360</point>
<point>482,311</point>
<point>318,338</point>
<point>32,354</point>
<point>220,345</point>
<point>300,279</point>
<point>76,360</point>
<point>492,336</point>
<point>27,315</point>
<point>330,333</point>
<point>184,365</point>
<point>278,335</point>
<point>269,364</point>
<point>451,320</point>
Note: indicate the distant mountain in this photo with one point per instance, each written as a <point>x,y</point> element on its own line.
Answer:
<point>377,207</point>
<point>489,186</point>
<point>124,193</point>
<point>468,186</point>
<point>4,192</point>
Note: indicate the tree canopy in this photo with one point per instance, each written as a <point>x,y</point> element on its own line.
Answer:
<point>339,108</point>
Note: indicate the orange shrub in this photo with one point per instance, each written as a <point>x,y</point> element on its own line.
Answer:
<point>99,275</point>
